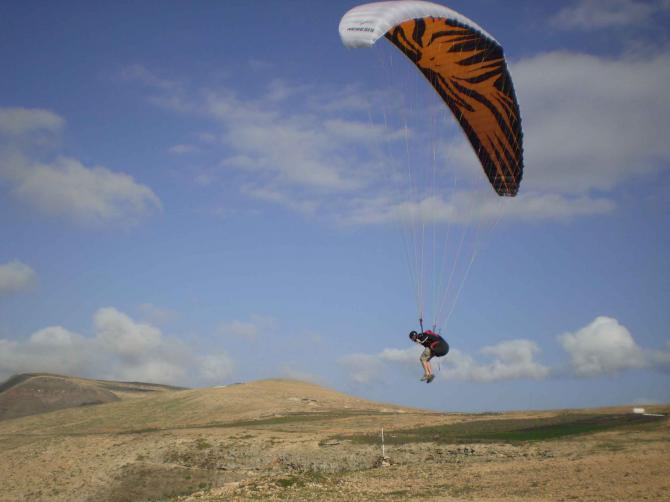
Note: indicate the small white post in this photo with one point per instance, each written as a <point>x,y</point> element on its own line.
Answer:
<point>383,452</point>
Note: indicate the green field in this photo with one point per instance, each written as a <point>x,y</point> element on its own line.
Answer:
<point>510,430</point>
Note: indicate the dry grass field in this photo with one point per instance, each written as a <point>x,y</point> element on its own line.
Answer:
<point>294,441</point>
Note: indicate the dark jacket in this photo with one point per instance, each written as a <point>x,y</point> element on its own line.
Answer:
<point>434,342</point>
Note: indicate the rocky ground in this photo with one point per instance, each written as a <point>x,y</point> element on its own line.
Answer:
<point>280,440</point>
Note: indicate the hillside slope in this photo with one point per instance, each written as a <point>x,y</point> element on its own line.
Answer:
<point>260,400</point>
<point>289,440</point>
<point>35,393</point>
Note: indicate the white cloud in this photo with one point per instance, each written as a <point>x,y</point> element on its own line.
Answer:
<point>290,371</point>
<point>362,368</point>
<point>592,123</point>
<point>604,347</point>
<point>476,206</point>
<point>141,74</point>
<point>289,148</point>
<point>281,90</point>
<point>239,329</point>
<point>20,121</point>
<point>64,186</point>
<point>512,360</point>
<point>54,336</point>
<point>53,349</point>
<point>292,152</point>
<point>120,348</point>
<point>408,355</point>
<point>139,351</point>
<point>157,315</point>
<point>596,14</point>
<point>216,367</point>
<point>89,195</point>
<point>126,338</point>
<point>182,149</point>
<point>282,198</point>
<point>15,276</point>
<point>253,328</point>
<point>285,137</point>
<point>355,131</point>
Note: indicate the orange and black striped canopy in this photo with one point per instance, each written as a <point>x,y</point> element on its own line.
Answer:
<point>468,71</point>
<point>466,67</point>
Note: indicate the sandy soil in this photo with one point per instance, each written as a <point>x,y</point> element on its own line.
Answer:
<point>282,440</point>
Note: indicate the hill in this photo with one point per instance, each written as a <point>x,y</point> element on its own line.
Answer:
<point>254,402</point>
<point>34,393</point>
<point>290,440</point>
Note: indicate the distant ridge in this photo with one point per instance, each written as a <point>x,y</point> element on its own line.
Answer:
<point>244,403</point>
<point>34,393</point>
<point>15,380</point>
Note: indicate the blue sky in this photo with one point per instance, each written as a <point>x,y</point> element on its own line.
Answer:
<point>204,193</point>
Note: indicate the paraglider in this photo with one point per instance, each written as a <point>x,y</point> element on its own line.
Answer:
<point>466,68</point>
<point>434,346</point>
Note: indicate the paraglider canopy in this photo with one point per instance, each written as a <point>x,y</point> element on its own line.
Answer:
<point>362,26</point>
<point>466,67</point>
